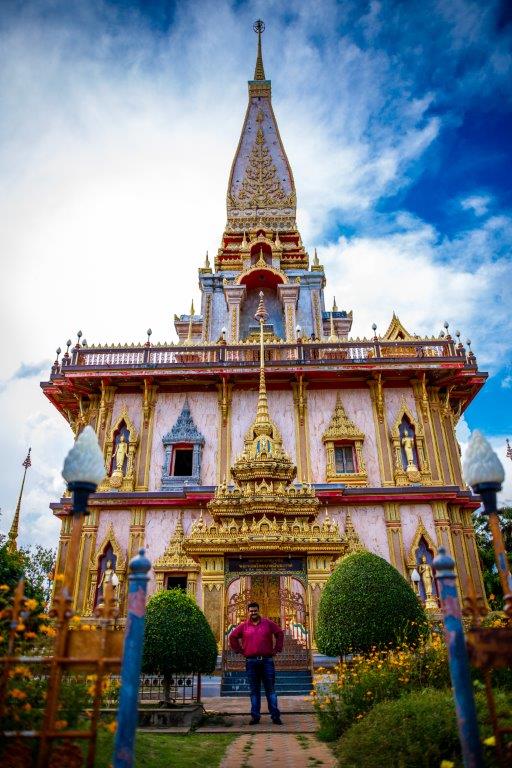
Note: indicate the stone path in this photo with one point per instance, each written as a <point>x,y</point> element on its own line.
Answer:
<point>277,749</point>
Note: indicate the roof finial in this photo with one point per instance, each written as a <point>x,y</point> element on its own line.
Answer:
<point>259,72</point>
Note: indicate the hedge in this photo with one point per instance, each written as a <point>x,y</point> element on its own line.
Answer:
<point>367,603</point>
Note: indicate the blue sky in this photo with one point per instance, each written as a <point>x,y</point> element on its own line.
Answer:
<point>119,124</point>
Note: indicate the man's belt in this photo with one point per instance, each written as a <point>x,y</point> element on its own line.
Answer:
<point>258,658</point>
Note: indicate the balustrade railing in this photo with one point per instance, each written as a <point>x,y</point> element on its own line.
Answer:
<point>247,355</point>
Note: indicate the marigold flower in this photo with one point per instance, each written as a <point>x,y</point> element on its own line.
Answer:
<point>27,707</point>
<point>60,724</point>
<point>20,627</point>
<point>31,604</point>
<point>111,727</point>
<point>30,635</point>
<point>490,741</point>
<point>4,587</point>
<point>20,671</point>
<point>447,764</point>
<point>17,694</point>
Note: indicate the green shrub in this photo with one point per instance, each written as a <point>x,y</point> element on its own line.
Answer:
<point>418,730</point>
<point>177,637</point>
<point>367,680</point>
<point>366,603</point>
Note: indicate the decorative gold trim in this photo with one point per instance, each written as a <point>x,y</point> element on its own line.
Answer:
<point>116,480</point>
<point>121,566</point>
<point>174,557</point>
<point>421,532</point>
<point>342,430</point>
<point>396,331</point>
<point>414,474</point>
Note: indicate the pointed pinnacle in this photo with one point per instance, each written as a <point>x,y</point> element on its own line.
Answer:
<point>259,72</point>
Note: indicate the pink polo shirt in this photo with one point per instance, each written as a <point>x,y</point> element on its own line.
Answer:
<point>257,639</point>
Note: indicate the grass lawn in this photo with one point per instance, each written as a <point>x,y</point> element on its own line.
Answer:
<point>165,750</point>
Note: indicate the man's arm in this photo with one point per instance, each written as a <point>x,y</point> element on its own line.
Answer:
<point>279,636</point>
<point>234,639</point>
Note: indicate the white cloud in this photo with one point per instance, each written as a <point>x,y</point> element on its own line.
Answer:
<point>479,204</point>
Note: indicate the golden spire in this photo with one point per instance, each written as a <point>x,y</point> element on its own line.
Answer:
<point>13,532</point>
<point>189,337</point>
<point>262,425</point>
<point>259,72</point>
<point>333,337</point>
<point>334,305</point>
<point>207,262</point>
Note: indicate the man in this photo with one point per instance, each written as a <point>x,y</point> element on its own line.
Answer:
<point>255,639</point>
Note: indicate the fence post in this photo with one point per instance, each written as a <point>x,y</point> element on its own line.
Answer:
<point>458,661</point>
<point>132,658</point>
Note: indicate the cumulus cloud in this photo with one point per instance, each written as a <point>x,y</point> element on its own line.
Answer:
<point>479,204</point>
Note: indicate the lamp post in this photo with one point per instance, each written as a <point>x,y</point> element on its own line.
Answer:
<point>484,472</point>
<point>83,469</point>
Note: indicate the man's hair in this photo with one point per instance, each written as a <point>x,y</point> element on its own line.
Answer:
<point>253,605</point>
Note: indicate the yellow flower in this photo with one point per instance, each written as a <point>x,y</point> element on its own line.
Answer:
<point>111,727</point>
<point>30,635</point>
<point>490,742</point>
<point>447,764</point>
<point>43,616</point>
<point>21,627</point>
<point>31,604</point>
<point>4,587</point>
<point>86,627</point>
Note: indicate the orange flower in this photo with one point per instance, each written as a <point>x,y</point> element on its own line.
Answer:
<point>4,587</point>
<point>60,724</point>
<point>30,635</point>
<point>31,604</point>
<point>111,727</point>
<point>17,694</point>
<point>20,627</point>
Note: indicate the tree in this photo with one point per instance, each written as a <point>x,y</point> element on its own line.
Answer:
<point>33,564</point>
<point>367,602</point>
<point>486,551</point>
<point>177,638</point>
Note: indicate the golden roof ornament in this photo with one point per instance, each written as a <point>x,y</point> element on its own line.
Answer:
<point>259,72</point>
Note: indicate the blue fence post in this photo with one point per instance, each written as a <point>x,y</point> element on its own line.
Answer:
<point>132,658</point>
<point>458,661</point>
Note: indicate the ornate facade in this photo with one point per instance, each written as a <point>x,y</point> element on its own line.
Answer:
<point>254,453</point>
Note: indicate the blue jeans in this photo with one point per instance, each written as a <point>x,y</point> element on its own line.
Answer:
<point>262,671</point>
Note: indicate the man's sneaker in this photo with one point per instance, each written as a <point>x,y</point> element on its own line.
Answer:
<point>277,721</point>
<point>254,721</point>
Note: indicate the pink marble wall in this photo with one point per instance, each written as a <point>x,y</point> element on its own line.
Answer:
<point>358,407</point>
<point>393,400</point>
<point>410,515</point>
<point>160,526</point>
<point>204,410</point>
<point>133,404</point>
<point>369,524</point>
<point>281,410</point>
<point>120,519</point>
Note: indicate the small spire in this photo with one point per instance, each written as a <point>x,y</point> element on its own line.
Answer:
<point>207,262</point>
<point>262,422</point>
<point>316,263</point>
<point>334,305</point>
<point>259,72</point>
<point>12,544</point>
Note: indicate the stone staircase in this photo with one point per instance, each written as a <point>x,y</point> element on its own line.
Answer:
<point>289,682</point>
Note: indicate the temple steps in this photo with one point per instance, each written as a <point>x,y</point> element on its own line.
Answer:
<point>289,682</point>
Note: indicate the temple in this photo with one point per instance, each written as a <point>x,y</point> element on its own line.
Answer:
<point>264,445</point>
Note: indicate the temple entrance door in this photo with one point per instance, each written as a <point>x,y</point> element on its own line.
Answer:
<point>285,606</point>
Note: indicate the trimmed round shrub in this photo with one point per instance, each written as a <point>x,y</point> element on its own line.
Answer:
<point>418,730</point>
<point>366,603</point>
<point>177,637</point>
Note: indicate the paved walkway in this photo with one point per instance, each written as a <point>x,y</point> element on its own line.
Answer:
<point>277,749</point>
